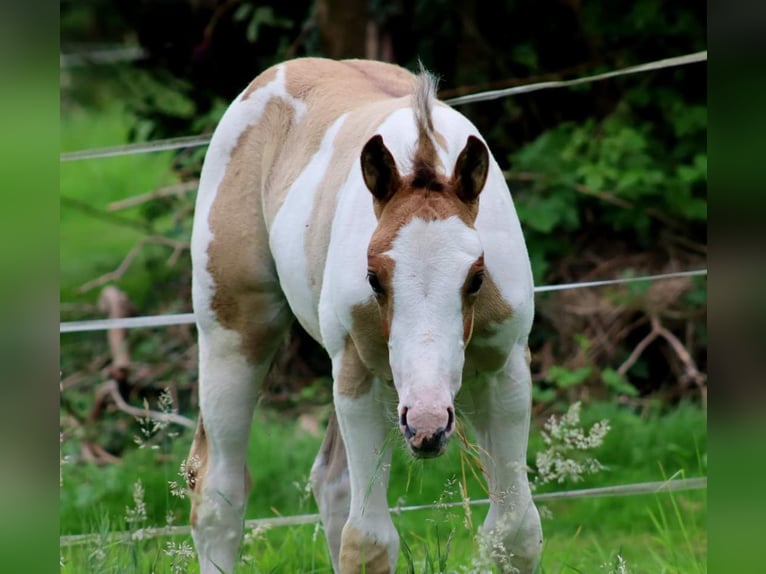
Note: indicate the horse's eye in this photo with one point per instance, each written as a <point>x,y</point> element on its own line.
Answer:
<point>475,283</point>
<point>372,279</point>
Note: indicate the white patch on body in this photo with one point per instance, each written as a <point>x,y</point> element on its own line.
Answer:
<point>287,238</point>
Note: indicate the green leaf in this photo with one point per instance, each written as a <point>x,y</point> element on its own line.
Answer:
<point>618,383</point>
<point>565,378</point>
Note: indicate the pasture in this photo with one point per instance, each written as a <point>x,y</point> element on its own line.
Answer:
<point>651,533</point>
<point>648,441</point>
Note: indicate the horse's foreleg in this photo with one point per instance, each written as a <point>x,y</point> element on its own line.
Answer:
<point>216,467</point>
<point>501,416</point>
<point>369,542</point>
<point>230,376</point>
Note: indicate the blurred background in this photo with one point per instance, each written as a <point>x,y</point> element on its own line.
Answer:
<point>609,179</point>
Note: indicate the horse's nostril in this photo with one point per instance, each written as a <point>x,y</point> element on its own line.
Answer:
<point>450,419</point>
<point>409,432</point>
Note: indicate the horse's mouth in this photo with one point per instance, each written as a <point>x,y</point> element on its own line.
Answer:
<point>429,449</point>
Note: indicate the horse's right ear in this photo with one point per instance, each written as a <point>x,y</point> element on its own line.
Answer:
<point>379,170</point>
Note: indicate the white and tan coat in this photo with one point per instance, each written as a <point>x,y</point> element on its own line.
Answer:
<point>342,194</point>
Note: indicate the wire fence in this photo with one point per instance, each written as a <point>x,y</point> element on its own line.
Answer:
<point>635,489</point>
<point>186,142</point>
<point>188,318</point>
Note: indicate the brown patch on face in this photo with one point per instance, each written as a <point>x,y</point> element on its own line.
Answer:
<point>411,202</point>
<point>360,553</point>
<point>260,81</point>
<point>354,378</point>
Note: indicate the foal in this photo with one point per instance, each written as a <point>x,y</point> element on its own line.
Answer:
<point>343,195</point>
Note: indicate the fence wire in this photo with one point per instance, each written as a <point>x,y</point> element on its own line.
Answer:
<point>657,487</point>
<point>202,139</point>
<point>188,318</point>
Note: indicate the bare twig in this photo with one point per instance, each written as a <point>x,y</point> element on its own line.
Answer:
<point>110,389</point>
<point>104,215</point>
<point>116,304</point>
<point>178,248</point>
<point>634,356</point>
<point>692,373</point>
<point>177,190</point>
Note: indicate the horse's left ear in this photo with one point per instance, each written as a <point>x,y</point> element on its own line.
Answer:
<point>379,170</point>
<point>471,170</point>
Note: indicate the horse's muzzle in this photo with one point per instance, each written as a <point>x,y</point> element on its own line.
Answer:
<point>427,443</point>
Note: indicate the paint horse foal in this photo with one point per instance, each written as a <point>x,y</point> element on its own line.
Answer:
<point>344,195</point>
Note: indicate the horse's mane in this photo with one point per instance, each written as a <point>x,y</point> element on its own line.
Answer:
<point>425,159</point>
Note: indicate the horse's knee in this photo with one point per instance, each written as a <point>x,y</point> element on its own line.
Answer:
<point>361,552</point>
<point>198,475</point>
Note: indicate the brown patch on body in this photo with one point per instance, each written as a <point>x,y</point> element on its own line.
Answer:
<point>490,311</point>
<point>260,81</point>
<point>360,553</point>
<point>247,298</point>
<point>490,308</point>
<point>354,378</point>
<point>370,339</point>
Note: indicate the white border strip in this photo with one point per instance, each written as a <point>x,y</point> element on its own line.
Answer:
<point>201,140</point>
<point>657,487</point>
<point>188,318</point>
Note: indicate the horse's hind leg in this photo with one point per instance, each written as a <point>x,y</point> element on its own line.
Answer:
<point>233,364</point>
<point>330,483</point>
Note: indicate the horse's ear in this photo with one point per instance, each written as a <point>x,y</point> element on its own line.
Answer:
<point>379,170</point>
<point>471,170</point>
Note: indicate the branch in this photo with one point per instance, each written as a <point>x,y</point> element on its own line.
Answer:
<point>105,215</point>
<point>117,305</point>
<point>111,390</point>
<point>177,190</point>
<point>178,248</point>
<point>692,373</point>
<point>634,356</point>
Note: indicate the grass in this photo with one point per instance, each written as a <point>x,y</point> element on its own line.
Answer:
<point>651,533</point>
